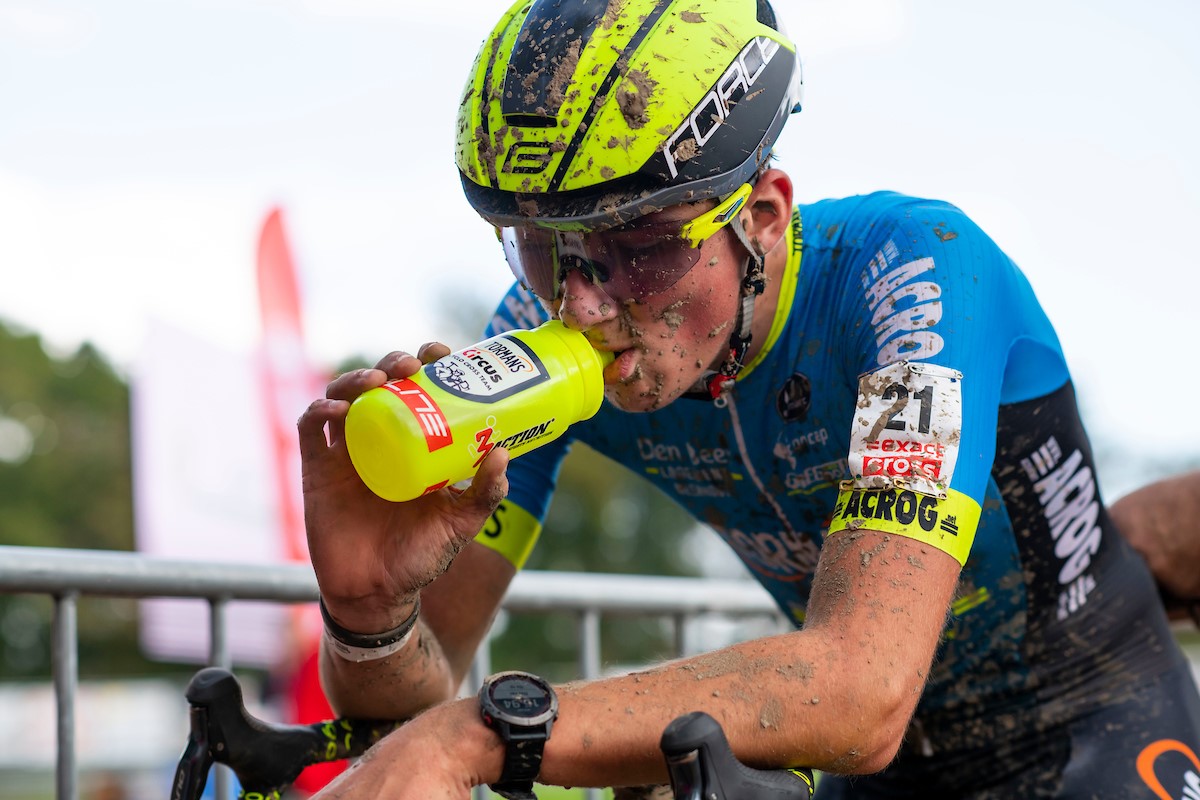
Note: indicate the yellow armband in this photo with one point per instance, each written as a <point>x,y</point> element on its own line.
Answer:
<point>948,524</point>
<point>512,532</point>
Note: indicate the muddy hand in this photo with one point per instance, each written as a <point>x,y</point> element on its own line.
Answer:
<point>370,555</point>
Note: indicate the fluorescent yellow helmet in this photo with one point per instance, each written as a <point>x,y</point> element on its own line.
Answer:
<point>586,114</point>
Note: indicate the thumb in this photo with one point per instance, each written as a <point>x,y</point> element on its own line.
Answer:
<point>489,486</point>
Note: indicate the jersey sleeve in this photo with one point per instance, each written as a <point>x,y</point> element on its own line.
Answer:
<point>513,529</point>
<point>935,311</point>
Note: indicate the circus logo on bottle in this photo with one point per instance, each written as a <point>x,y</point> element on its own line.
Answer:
<point>489,371</point>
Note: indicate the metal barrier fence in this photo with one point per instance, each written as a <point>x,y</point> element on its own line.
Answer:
<point>66,575</point>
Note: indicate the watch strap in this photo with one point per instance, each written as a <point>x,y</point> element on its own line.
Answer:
<point>524,737</point>
<point>513,791</point>
<point>522,763</point>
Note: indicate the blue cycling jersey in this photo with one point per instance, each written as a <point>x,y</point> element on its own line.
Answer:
<point>905,307</point>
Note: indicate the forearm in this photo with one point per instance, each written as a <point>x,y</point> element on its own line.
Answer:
<point>397,686</point>
<point>457,610</point>
<point>775,709</point>
<point>783,701</point>
<point>788,700</point>
<point>836,695</point>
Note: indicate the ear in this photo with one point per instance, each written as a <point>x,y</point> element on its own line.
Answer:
<point>768,211</point>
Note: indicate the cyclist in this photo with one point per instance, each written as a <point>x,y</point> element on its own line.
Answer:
<point>861,396</point>
<point>1160,521</point>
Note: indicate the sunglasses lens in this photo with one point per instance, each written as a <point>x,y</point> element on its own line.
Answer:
<point>648,259</point>
<point>629,263</point>
<point>531,256</point>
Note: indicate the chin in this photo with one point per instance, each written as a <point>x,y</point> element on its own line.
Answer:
<point>639,397</point>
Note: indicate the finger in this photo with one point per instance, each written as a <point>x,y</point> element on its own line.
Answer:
<point>398,364</point>
<point>350,385</point>
<point>432,351</point>
<point>489,486</point>
<point>311,426</point>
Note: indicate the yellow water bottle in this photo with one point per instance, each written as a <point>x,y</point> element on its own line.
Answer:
<point>518,390</point>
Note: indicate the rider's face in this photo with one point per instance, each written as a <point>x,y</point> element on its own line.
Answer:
<point>663,342</point>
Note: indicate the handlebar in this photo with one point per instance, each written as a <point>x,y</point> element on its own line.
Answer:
<point>267,757</point>
<point>703,767</point>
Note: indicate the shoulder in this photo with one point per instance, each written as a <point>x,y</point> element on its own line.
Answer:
<point>883,229</point>
<point>881,202</point>
<point>857,215</point>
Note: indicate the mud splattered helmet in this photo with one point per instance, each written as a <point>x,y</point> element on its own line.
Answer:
<point>587,114</point>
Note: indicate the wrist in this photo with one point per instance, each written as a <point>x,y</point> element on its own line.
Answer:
<point>369,614</point>
<point>359,646</point>
<point>453,735</point>
<point>477,744</point>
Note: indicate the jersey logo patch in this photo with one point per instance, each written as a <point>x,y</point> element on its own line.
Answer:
<point>906,428</point>
<point>794,398</point>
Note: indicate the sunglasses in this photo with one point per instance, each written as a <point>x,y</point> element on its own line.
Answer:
<point>630,262</point>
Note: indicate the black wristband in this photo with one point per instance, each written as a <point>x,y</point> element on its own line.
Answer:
<point>368,646</point>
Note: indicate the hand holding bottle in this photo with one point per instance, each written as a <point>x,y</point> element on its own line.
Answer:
<point>370,554</point>
<point>517,390</point>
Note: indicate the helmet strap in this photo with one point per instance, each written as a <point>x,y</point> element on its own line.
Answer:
<point>714,384</point>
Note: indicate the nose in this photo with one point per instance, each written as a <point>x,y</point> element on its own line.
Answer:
<point>582,303</point>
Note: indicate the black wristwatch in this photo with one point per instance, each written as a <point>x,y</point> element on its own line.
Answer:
<point>520,708</point>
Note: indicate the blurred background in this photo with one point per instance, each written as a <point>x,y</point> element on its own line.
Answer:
<point>148,152</point>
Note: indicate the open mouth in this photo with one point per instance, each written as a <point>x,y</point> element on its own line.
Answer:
<point>621,368</point>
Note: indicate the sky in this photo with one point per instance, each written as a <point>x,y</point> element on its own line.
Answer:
<point>143,143</point>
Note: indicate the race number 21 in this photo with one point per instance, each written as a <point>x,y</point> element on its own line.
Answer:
<point>906,428</point>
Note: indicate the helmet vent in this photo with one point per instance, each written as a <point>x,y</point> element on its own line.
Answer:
<point>543,59</point>
<point>766,15</point>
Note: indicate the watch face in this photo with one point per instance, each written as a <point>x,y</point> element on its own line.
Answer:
<point>520,699</point>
